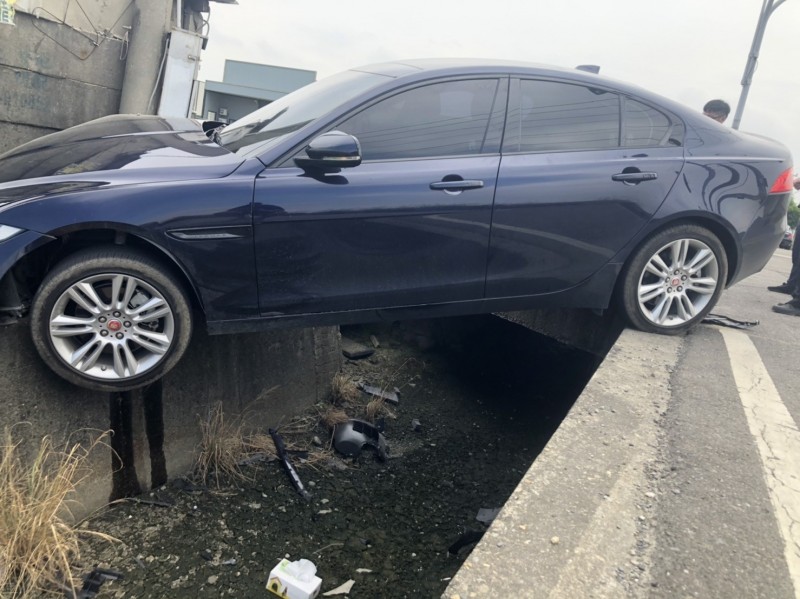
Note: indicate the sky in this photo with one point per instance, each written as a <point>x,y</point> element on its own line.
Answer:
<point>687,50</point>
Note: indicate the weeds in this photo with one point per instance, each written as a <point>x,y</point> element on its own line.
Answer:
<point>344,390</point>
<point>39,544</point>
<point>333,416</point>
<point>222,447</point>
<point>226,446</point>
<point>378,408</point>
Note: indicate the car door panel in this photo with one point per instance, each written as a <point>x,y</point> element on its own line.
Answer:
<point>559,218</point>
<point>373,236</point>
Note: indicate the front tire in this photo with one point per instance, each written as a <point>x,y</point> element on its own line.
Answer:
<point>673,280</point>
<point>110,319</point>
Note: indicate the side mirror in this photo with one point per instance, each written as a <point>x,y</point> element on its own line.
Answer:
<point>330,152</point>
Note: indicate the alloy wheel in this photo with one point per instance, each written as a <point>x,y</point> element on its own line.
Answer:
<point>111,326</point>
<point>678,282</point>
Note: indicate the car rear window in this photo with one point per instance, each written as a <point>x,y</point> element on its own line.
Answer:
<point>645,126</point>
<point>552,116</point>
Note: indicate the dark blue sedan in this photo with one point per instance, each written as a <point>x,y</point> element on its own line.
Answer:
<point>421,188</point>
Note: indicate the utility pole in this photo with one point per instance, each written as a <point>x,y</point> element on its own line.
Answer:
<point>767,9</point>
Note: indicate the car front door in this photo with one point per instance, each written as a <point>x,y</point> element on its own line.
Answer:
<point>583,170</point>
<point>408,226</point>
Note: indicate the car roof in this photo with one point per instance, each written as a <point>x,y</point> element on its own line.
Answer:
<point>442,66</point>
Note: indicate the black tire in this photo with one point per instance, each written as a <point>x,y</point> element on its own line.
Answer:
<point>687,296</point>
<point>132,346</point>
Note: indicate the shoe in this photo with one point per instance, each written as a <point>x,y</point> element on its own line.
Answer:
<point>792,308</point>
<point>782,288</point>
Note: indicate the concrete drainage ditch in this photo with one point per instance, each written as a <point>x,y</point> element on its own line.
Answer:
<point>479,398</point>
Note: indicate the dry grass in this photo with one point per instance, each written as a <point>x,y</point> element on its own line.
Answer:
<point>344,390</point>
<point>39,544</point>
<point>222,448</point>
<point>377,408</point>
<point>226,446</point>
<point>261,444</point>
<point>333,416</point>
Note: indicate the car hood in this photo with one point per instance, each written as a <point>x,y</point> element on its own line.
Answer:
<point>118,149</point>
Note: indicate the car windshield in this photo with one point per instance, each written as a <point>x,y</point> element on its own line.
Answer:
<point>266,126</point>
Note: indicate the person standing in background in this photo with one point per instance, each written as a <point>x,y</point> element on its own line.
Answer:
<point>717,110</point>
<point>792,284</point>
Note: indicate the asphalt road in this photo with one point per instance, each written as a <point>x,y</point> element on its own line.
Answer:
<point>729,531</point>
<point>676,473</point>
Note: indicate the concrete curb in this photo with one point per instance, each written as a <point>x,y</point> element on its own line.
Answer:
<point>577,524</point>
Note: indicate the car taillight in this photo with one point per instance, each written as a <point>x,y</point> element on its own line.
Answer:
<point>783,184</point>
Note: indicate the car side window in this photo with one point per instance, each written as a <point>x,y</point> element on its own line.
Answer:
<point>644,126</point>
<point>550,116</point>
<point>451,118</point>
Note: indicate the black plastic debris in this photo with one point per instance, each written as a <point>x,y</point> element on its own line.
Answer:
<point>393,397</point>
<point>727,321</point>
<point>92,583</point>
<point>416,425</point>
<point>280,449</point>
<point>350,438</point>
<point>468,538</point>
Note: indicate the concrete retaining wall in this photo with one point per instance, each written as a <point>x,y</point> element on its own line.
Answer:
<point>582,329</point>
<point>267,376</point>
<point>54,77</point>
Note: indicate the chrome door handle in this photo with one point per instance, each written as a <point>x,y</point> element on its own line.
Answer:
<point>634,178</point>
<point>457,185</point>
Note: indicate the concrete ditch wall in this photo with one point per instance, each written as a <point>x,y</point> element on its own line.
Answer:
<point>582,329</point>
<point>268,377</point>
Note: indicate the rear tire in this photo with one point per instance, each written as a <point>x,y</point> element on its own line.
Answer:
<point>110,319</point>
<point>673,280</point>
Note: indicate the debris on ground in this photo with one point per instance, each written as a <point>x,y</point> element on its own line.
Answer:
<point>393,397</point>
<point>469,537</point>
<point>350,438</point>
<point>294,580</point>
<point>280,448</point>
<point>487,515</point>
<point>93,581</point>
<point>343,589</point>
<point>416,425</point>
<point>727,321</point>
<point>354,350</point>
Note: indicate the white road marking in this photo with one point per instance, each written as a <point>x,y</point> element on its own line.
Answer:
<point>777,438</point>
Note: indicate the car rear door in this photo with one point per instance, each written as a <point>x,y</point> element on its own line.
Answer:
<point>409,226</point>
<point>583,170</point>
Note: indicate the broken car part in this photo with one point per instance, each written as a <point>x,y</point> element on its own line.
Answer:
<point>393,397</point>
<point>727,321</point>
<point>350,438</point>
<point>468,538</point>
<point>280,448</point>
<point>93,581</point>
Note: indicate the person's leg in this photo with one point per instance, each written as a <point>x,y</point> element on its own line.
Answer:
<point>794,276</point>
<point>792,284</point>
